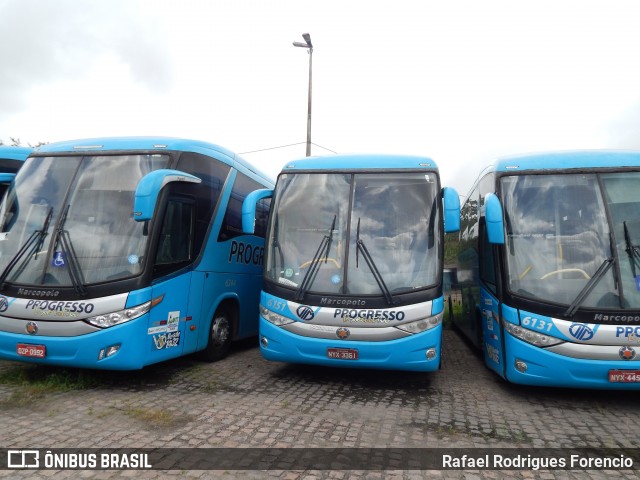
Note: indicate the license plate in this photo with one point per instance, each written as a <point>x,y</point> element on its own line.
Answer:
<point>342,353</point>
<point>37,351</point>
<point>624,376</point>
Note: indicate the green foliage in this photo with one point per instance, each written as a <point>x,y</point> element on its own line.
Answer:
<point>451,248</point>
<point>49,380</point>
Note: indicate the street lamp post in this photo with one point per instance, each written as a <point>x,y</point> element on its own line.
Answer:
<point>307,39</point>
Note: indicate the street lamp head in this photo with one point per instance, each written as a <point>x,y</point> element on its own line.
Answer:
<point>307,38</point>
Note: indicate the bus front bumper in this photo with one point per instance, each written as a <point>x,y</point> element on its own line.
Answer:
<point>409,353</point>
<point>545,368</point>
<point>83,351</point>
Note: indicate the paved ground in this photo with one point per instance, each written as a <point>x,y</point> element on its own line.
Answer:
<point>244,401</point>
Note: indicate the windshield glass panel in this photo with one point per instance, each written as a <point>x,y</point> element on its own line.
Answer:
<point>94,214</point>
<point>557,238</point>
<point>308,208</point>
<point>396,218</point>
<point>623,196</point>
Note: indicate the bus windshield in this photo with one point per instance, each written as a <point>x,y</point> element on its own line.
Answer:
<point>73,216</point>
<point>362,233</point>
<point>559,236</point>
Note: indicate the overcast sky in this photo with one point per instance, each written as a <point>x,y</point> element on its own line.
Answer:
<point>459,81</point>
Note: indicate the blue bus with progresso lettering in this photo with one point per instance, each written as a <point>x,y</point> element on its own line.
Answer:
<point>548,269</point>
<point>116,253</point>
<point>353,262</point>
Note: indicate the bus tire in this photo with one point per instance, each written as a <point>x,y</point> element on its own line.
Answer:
<point>220,335</point>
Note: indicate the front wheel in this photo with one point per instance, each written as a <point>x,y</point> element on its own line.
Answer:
<point>220,335</point>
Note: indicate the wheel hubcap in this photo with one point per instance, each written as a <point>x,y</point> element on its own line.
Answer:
<point>220,330</point>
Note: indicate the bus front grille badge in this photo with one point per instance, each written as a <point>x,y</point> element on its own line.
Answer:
<point>343,333</point>
<point>31,328</point>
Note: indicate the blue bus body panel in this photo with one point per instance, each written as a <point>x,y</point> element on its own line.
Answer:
<point>156,144</point>
<point>14,153</point>
<point>550,369</point>
<point>361,162</point>
<point>491,332</point>
<point>83,351</point>
<point>568,160</point>
<point>403,354</point>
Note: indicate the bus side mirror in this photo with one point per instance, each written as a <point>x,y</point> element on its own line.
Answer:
<point>249,209</point>
<point>7,177</point>
<point>493,219</point>
<point>148,189</point>
<point>451,210</point>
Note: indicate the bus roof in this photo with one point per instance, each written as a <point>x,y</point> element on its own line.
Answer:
<point>148,144</point>
<point>361,162</point>
<point>568,160</point>
<point>9,152</point>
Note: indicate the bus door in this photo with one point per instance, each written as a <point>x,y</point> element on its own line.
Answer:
<point>168,328</point>
<point>490,330</point>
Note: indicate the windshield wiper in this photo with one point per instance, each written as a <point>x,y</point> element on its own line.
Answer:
<point>275,245</point>
<point>593,281</point>
<point>36,238</point>
<point>361,247</point>
<point>321,252</point>
<point>63,239</point>
<point>632,250</point>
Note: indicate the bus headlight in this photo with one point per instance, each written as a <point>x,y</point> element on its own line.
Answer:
<point>421,325</point>
<point>535,338</point>
<point>116,318</point>
<point>274,317</point>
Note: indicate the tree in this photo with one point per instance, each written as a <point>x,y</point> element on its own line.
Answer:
<point>15,142</point>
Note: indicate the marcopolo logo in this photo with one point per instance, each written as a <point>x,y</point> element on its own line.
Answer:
<point>343,333</point>
<point>581,332</point>
<point>31,328</point>
<point>4,304</point>
<point>305,313</point>
<point>627,353</point>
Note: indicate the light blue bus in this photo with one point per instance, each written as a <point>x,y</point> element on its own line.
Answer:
<point>548,271</point>
<point>353,262</point>
<point>116,253</point>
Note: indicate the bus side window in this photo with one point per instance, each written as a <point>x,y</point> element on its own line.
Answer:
<point>487,265</point>
<point>232,222</point>
<point>485,249</point>
<point>176,238</point>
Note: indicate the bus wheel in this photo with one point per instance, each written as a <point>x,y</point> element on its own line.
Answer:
<point>219,337</point>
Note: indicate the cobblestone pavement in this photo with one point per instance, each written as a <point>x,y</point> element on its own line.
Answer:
<point>245,401</point>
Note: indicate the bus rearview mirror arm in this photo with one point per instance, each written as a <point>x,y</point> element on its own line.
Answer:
<point>249,209</point>
<point>148,189</point>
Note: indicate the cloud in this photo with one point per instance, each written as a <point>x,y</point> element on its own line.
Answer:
<point>624,131</point>
<point>44,42</point>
